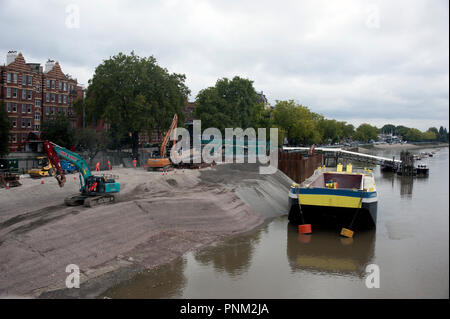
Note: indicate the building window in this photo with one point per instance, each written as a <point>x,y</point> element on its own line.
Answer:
<point>53,110</point>
<point>28,123</point>
<point>37,103</point>
<point>48,84</point>
<point>8,77</point>
<point>53,84</point>
<point>8,106</point>
<point>15,77</point>
<point>14,95</point>
<point>65,86</point>
<point>59,85</point>
<point>37,127</point>
<point>14,122</point>
<point>47,97</point>
<point>65,99</point>
<point>24,108</point>
<point>29,108</point>
<point>59,98</point>
<point>14,138</point>
<point>8,92</point>
<point>14,107</point>
<point>38,88</point>
<point>53,97</point>
<point>30,94</point>
<point>24,136</point>
<point>24,79</point>
<point>24,95</point>
<point>47,110</point>
<point>37,117</point>
<point>23,123</point>
<point>30,80</point>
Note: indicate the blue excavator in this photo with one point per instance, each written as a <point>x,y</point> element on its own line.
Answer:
<point>94,190</point>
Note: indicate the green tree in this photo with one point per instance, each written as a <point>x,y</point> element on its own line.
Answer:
<point>388,129</point>
<point>299,123</point>
<point>366,132</point>
<point>443,134</point>
<point>230,103</point>
<point>87,140</point>
<point>402,131</point>
<point>5,127</point>
<point>261,118</point>
<point>430,135</point>
<point>414,135</point>
<point>136,95</point>
<point>58,129</point>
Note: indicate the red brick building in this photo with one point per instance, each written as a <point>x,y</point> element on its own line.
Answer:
<point>30,93</point>
<point>20,91</point>
<point>58,91</point>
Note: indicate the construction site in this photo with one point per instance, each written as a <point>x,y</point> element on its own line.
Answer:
<point>158,216</point>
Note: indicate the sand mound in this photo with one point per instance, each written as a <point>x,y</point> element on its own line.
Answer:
<point>158,218</point>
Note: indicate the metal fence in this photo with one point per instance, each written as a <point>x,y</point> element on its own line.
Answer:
<point>297,166</point>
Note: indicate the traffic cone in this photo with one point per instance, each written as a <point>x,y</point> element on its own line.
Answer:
<point>7,185</point>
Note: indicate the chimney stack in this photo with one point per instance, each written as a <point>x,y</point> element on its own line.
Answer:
<point>11,57</point>
<point>49,65</point>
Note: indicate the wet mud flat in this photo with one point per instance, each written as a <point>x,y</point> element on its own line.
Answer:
<point>157,219</point>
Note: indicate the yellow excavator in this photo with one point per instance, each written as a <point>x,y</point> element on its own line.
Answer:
<point>45,168</point>
<point>162,161</point>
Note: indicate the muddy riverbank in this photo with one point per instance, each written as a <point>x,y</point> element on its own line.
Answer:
<point>158,218</point>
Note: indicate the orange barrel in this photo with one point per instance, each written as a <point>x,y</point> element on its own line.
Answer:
<point>305,229</point>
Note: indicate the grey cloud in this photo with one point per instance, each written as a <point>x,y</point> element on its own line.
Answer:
<point>328,55</point>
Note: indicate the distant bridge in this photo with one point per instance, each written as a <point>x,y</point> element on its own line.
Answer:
<point>349,155</point>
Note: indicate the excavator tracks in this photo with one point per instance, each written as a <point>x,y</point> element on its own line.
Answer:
<point>90,201</point>
<point>99,200</point>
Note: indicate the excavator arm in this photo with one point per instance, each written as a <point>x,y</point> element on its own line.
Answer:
<point>53,150</point>
<point>173,128</point>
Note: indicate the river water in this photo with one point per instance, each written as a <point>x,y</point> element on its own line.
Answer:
<point>410,246</point>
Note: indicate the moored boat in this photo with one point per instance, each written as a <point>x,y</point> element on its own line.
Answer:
<point>422,169</point>
<point>336,195</point>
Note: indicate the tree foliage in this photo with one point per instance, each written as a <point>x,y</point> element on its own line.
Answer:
<point>5,127</point>
<point>58,129</point>
<point>136,95</point>
<point>230,103</point>
<point>87,140</point>
<point>366,132</point>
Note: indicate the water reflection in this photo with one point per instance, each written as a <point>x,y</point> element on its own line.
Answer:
<point>406,186</point>
<point>325,252</point>
<point>233,256</point>
<point>160,282</point>
<point>406,182</point>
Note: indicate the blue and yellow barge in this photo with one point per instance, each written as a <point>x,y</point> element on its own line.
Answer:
<point>335,196</point>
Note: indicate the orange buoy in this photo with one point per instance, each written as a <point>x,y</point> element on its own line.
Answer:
<point>305,229</point>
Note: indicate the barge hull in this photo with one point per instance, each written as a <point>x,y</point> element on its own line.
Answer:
<point>334,216</point>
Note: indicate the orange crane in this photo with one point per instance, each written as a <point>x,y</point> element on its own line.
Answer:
<point>162,161</point>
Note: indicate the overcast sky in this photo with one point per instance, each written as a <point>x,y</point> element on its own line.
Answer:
<point>359,61</point>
